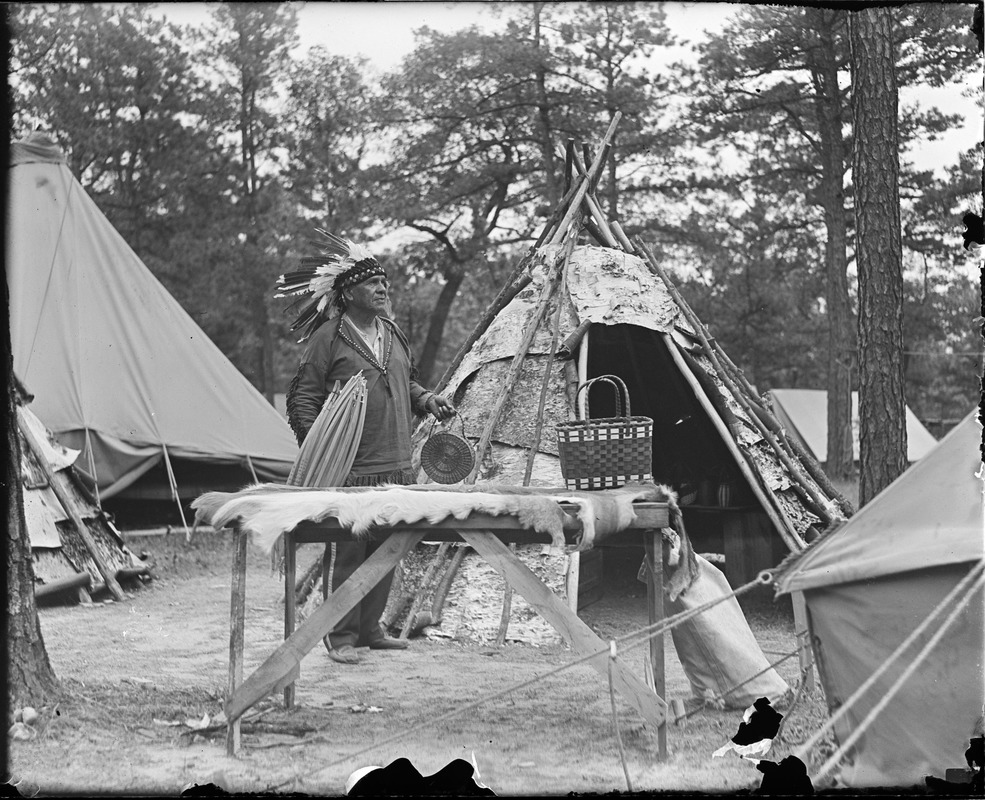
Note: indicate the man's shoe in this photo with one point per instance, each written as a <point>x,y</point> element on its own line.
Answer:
<point>386,643</point>
<point>346,654</point>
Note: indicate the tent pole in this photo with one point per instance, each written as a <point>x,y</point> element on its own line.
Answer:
<point>784,525</point>
<point>514,372</point>
<point>92,468</point>
<point>174,492</point>
<point>549,368</point>
<point>593,172</point>
<point>582,409</point>
<point>253,472</point>
<point>824,504</point>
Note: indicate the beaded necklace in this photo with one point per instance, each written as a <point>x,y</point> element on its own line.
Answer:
<point>359,346</point>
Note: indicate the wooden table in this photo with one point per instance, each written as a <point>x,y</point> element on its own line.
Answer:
<point>489,537</point>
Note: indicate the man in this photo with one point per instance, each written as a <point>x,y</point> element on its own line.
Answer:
<point>348,330</point>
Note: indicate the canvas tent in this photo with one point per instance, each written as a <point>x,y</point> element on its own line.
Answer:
<point>63,563</point>
<point>804,413</point>
<point>120,371</point>
<point>870,583</point>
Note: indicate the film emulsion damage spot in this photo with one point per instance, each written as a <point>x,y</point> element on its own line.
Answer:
<point>400,778</point>
<point>760,725</point>
<point>974,230</point>
<point>965,782</point>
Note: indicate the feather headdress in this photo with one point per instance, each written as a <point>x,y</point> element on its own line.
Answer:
<point>319,279</point>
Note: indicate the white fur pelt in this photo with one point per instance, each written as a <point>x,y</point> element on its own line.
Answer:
<point>267,511</point>
<point>268,515</point>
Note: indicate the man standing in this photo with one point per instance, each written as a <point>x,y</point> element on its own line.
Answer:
<point>348,331</point>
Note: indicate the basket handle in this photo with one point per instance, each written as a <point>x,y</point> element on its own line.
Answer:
<point>612,379</point>
<point>461,422</point>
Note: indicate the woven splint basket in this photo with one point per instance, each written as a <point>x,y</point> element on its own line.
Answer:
<point>607,452</point>
<point>447,458</point>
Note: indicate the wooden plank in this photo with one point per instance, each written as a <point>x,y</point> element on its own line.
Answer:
<point>109,577</point>
<point>237,614</point>
<point>290,602</point>
<point>287,657</point>
<point>803,634</point>
<point>648,515</point>
<point>655,607</point>
<point>627,538</point>
<point>576,632</point>
<point>571,580</point>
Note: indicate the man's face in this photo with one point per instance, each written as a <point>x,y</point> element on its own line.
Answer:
<point>369,296</point>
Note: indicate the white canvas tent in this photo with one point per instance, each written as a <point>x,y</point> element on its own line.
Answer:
<point>119,370</point>
<point>804,413</point>
<point>870,583</point>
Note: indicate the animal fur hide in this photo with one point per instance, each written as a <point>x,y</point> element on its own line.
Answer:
<point>269,510</point>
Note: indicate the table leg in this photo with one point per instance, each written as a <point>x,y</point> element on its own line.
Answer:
<point>653,541</point>
<point>275,672</point>
<point>237,613</point>
<point>576,632</point>
<point>290,601</point>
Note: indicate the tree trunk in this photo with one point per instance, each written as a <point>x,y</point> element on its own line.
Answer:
<point>436,328</point>
<point>30,678</point>
<point>552,181</point>
<point>875,165</point>
<point>840,459</point>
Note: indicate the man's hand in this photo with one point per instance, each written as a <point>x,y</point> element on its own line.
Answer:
<point>440,408</point>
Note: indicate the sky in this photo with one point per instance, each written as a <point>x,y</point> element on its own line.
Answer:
<point>383,33</point>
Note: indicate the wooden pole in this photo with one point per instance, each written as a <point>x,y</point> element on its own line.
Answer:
<point>576,632</point>
<point>504,617</point>
<point>237,613</point>
<point>444,585</point>
<point>653,544</point>
<point>795,471</point>
<point>809,462</point>
<point>802,631</point>
<point>594,210</point>
<point>539,427</point>
<point>282,666</point>
<point>569,152</point>
<point>290,600</point>
<point>774,511</point>
<point>78,581</point>
<point>425,584</point>
<point>109,577</point>
<point>502,300</point>
<point>583,187</point>
<point>511,376</point>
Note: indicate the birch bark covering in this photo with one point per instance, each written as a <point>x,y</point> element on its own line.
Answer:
<point>875,164</point>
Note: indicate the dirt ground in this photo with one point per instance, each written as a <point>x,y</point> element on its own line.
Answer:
<point>139,676</point>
